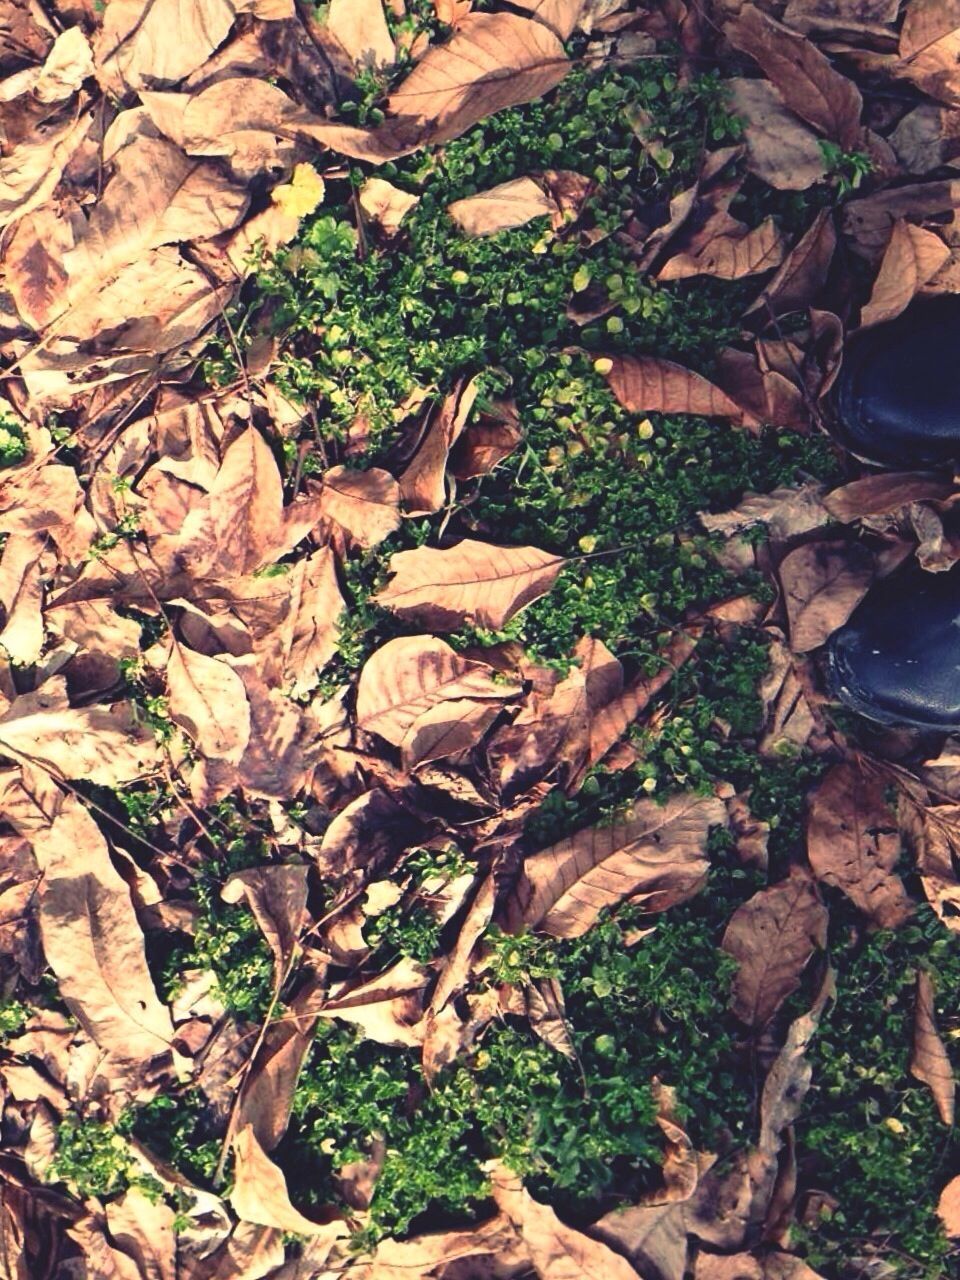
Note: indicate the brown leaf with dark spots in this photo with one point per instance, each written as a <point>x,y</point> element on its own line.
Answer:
<point>929,1061</point>
<point>804,76</point>
<point>913,257</point>
<point>648,384</point>
<point>932,834</point>
<point>853,844</point>
<point>772,937</point>
<point>823,582</point>
<point>469,582</point>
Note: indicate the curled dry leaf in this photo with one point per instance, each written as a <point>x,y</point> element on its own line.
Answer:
<point>469,582</point>
<point>556,1250</point>
<point>647,384</point>
<point>913,257</point>
<point>853,844</point>
<point>929,1061</point>
<point>803,75</point>
<point>511,204</point>
<point>260,1194</point>
<point>823,582</point>
<point>423,482</point>
<point>94,944</point>
<point>277,896</point>
<point>772,937</point>
<point>655,855</point>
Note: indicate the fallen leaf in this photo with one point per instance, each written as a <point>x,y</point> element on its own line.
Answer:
<point>21,594</point>
<point>360,27</point>
<point>823,582</point>
<point>803,272</point>
<point>929,47</point>
<point>561,16</point>
<point>647,384</point>
<point>781,150</point>
<point>363,505</point>
<point>948,1207</point>
<point>511,204</point>
<point>494,1239</point>
<point>882,494</point>
<point>277,896</point>
<point>423,481</point>
<point>731,256</point>
<point>772,937</point>
<point>929,1061</point>
<point>933,835</point>
<point>853,844</point>
<point>311,634</point>
<point>557,1251</point>
<point>655,854</point>
<point>147,43</point>
<point>207,699</point>
<point>803,75</point>
<point>260,1194</point>
<point>469,582</point>
<point>406,680</point>
<point>913,257</point>
<point>95,947</point>
<point>386,204</point>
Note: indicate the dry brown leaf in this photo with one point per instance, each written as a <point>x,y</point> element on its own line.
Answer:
<point>948,1207</point>
<point>803,272</point>
<point>561,16</point>
<point>511,204</point>
<point>730,256</point>
<point>207,699</point>
<point>653,1237</point>
<point>781,150</point>
<point>316,608</point>
<point>804,77</point>
<point>360,27</point>
<point>933,835</point>
<point>656,855</point>
<point>260,1194</point>
<point>823,582</point>
<point>387,1008</point>
<point>883,494</point>
<point>913,257</point>
<point>495,1240</point>
<point>96,743</point>
<point>364,505</point>
<point>853,844</point>
<point>867,222</point>
<point>469,582</point>
<point>929,1061</point>
<point>277,896</point>
<point>772,937</point>
<point>143,1229</point>
<point>423,482</point>
<point>21,594</point>
<point>406,680</point>
<point>95,947</point>
<point>386,204</point>
<point>236,528</point>
<point>647,384</point>
<point>556,1250</point>
<point>930,46</point>
<point>787,513</point>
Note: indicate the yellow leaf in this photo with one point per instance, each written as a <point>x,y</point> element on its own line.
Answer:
<point>302,193</point>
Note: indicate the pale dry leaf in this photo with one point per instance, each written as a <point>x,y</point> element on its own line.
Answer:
<point>929,1061</point>
<point>913,257</point>
<point>96,743</point>
<point>94,944</point>
<point>143,1228</point>
<point>260,1193</point>
<point>21,595</point>
<point>853,844</point>
<point>511,204</point>
<point>884,493</point>
<point>468,582</point>
<point>933,835</point>
<point>648,384</point>
<point>360,27</point>
<point>387,1008</point>
<point>930,47</point>
<point>786,512</point>
<point>207,699</point>
<point>823,582</point>
<point>316,608</point>
<point>277,896</point>
<point>557,1251</point>
<point>772,937</point>
<point>730,256</point>
<point>67,65</point>
<point>561,16</point>
<point>386,204</point>
<point>426,1255</point>
<point>423,481</point>
<point>804,77</point>
<point>407,679</point>
<point>655,854</point>
<point>781,149</point>
<point>365,505</point>
<point>238,525</point>
<point>948,1207</point>
<point>868,221</point>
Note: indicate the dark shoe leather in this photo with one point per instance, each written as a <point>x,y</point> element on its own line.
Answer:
<point>897,396</point>
<point>897,660</point>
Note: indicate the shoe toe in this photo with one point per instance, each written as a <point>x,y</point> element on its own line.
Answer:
<point>897,660</point>
<point>898,393</point>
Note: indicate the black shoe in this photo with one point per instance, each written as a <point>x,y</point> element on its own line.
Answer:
<point>897,660</point>
<point>898,393</point>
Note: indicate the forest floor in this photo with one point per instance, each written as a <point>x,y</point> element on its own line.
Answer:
<point>429,846</point>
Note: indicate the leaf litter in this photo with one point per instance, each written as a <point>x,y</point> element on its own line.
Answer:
<point>229,613</point>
